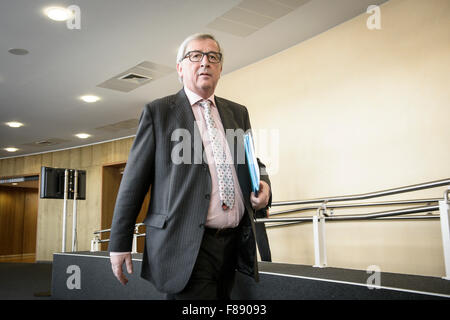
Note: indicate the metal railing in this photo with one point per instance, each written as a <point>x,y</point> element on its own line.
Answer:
<point>370,195</point>
<point>324,211</point>
<point>384,215</point>
<point>97,234</point>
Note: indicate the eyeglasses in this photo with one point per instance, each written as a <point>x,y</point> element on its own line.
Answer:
<point>197,56</point>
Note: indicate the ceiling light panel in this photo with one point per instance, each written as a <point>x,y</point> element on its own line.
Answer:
<point>90,99</point>
<point>83,135</point>
<point>251,15</point>
<point>266,8</point>
<point>14,124</point>
<point>246,17</point>
<point>58,13</point>
<point>232,27</point>
<point>293,4</point>
<point>122,125</point>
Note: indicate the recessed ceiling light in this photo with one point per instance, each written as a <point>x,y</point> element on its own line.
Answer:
<point>58,13</point>
<point>90,99</point>
<point>83,135</point>
<point>14,124</point>
<point>11,149</point>
<point>18,51</point>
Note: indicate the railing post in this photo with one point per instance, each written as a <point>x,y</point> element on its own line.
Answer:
<point>134,248</point>
<point>444,211</point>
<point>320,254</point>
<point>94,244</point>
<point>74,214</point>
<point>64,218</point>
<point>136,232</point>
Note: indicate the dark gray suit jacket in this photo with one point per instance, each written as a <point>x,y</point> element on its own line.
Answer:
<point>180,193</point>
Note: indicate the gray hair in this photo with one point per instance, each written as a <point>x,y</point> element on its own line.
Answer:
<point>197,36</point>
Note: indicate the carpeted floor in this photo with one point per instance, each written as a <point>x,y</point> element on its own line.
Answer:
<point>25,281</point>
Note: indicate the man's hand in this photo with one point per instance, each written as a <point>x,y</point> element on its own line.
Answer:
<point>116,264</point>
<point>262,200</point>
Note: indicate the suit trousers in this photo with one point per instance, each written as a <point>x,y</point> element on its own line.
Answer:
<point>214,271</point>
<point>263,242</point>
<point>261,237</point>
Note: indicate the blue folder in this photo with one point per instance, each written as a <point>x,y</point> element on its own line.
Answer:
<point>252,163</point>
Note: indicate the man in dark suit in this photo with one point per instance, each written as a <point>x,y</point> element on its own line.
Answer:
<point>200,221</point>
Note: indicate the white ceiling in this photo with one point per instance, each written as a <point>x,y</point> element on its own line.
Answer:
<point>42,89</point>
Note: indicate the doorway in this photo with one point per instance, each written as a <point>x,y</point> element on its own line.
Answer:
<point>111,178</point>
<point>19,199</point>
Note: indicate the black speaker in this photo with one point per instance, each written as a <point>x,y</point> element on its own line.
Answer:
<point>52,183</point>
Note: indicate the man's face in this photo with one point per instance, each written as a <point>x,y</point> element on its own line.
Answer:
<point>200,77</point>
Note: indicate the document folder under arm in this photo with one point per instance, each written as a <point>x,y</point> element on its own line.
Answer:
<point>252,163</point>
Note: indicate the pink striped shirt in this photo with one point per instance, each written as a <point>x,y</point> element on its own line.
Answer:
<point>217,217</point>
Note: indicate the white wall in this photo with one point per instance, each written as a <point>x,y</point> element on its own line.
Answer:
<point>354,111</point>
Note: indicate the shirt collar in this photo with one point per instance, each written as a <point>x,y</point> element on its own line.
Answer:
<point>194,98</point>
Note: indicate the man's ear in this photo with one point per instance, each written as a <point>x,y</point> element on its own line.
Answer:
<point>180,70</point>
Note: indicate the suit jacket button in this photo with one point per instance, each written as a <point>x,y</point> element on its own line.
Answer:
<point>207,196</point>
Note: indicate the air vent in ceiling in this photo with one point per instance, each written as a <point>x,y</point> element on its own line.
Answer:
<point>251,15</point>
<point>137,76</point>
<point>122,125</point>
<point>45,142</point>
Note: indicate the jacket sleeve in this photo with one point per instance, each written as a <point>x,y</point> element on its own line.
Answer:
<point>137,178</point>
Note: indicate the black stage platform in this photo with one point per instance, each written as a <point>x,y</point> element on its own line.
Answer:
<point>88,275</point>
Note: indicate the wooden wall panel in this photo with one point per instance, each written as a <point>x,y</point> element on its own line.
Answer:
<point>49,211</point>
<point>86,156</point>
<point>32,163</point>
<point>46,159</point>
<point>7,167</point>
<point>30,221</point>
<point>18,223</point>
<point>75,158</point>
<point>6,211</point>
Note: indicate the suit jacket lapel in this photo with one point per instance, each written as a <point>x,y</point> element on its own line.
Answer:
<point>225,114</point>
<point>229,122</point>
<point>183,111</point>
<point>186,120</point>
